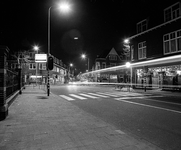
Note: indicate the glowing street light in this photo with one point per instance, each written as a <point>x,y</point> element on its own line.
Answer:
<point>83,56</point>
<point>126,41</point>
<point>128,65</point>
<point>71,65</point>
<point>36,48</point>
<point>64,8</point>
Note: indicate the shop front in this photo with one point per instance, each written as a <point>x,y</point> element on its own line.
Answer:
<point>161,77</point>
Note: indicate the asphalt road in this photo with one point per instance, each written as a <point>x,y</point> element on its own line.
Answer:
<point>155,117</point>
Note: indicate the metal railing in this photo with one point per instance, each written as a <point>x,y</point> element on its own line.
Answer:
<point>11,82</point>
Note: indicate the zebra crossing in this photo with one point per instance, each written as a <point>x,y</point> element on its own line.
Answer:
<point>97,95</point>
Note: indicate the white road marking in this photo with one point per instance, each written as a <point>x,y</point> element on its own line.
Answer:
<point>131,97</point>
<point>66,97</point>
<point>99,95</point>
<point>119,131</point>
<point>175,111</point>
<point>88,95</point>
<point>127,94</point>
<point>107,94</point>
<point>79,97</point>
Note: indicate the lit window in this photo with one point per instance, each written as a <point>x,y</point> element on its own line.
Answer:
<point>142,50</point>
<point>132,52</point>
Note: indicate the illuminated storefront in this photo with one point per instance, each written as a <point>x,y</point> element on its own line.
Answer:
<point>158,76</point>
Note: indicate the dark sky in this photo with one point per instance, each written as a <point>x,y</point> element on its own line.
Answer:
<point>99,24</point>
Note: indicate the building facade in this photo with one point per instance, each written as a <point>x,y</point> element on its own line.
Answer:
<point>153,42</point>
<point>37,72</point>
<point>109,58</point>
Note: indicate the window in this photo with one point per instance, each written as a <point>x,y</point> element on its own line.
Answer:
<point>32,66</point>
<point>112,57</point>
<point>142,26</point>
<point>172,42</point>
<point>172,12</point>
<point>42,66</point>
<point>58,69</point>
<point>142,50</point>
<point>98,65</point>
<point>179,40</point>
<point>132,52</point>
<point>103,65</point>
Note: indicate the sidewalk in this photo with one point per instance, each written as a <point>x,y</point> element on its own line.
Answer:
<point>153,91</point>
<point>38,122</point>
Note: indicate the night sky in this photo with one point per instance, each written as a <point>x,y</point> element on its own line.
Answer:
<point>99,25</point>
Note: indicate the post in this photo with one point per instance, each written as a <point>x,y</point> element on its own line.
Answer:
<point>3,70</point>
<point>19,79</point>
<point>88,64</point>
<point>48,76</point>
<point>145,83</point>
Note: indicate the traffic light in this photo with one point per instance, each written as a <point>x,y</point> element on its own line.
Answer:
<point>50,63</point>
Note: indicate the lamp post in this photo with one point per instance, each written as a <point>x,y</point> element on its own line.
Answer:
<point>128,50</point>
<point>128,65</point>
<point>71,65</point>
<point>36,48</point>
<point>83,56</point>
<point>64,7</point>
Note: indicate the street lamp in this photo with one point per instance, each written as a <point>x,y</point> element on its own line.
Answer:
<point>64,8</point>
<point>128,50</point>
<point>128,65</point>
<point>83,56</point>
<point>36,48</point>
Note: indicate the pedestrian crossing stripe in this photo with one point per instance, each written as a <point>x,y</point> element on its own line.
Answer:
<point>76,96</point>
<point>90,96</point>
<point>66,97</point>
<point>116,95</point>
<point>99,95</point>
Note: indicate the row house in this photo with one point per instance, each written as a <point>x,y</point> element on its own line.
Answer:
<point>109,58</point>
<point>37,72</point>
<point>157,42</point>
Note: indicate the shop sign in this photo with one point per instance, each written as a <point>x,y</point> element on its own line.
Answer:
<point>40,57</point>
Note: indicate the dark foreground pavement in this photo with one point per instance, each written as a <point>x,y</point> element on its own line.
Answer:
<point>39,122</point>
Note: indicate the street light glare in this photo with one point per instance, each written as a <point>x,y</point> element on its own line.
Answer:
<point>64,7</point>
<point>83,56</point>
<point>128,64</point>
<point>126,41</point>
<point>36,48</point>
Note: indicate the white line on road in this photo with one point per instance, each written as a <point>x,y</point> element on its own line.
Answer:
<point>79,97</point>
<point>131,97</point>
<point>67,98</point>
<point>175,111</point>
<point>127,93</point>
<point>88,95</point>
